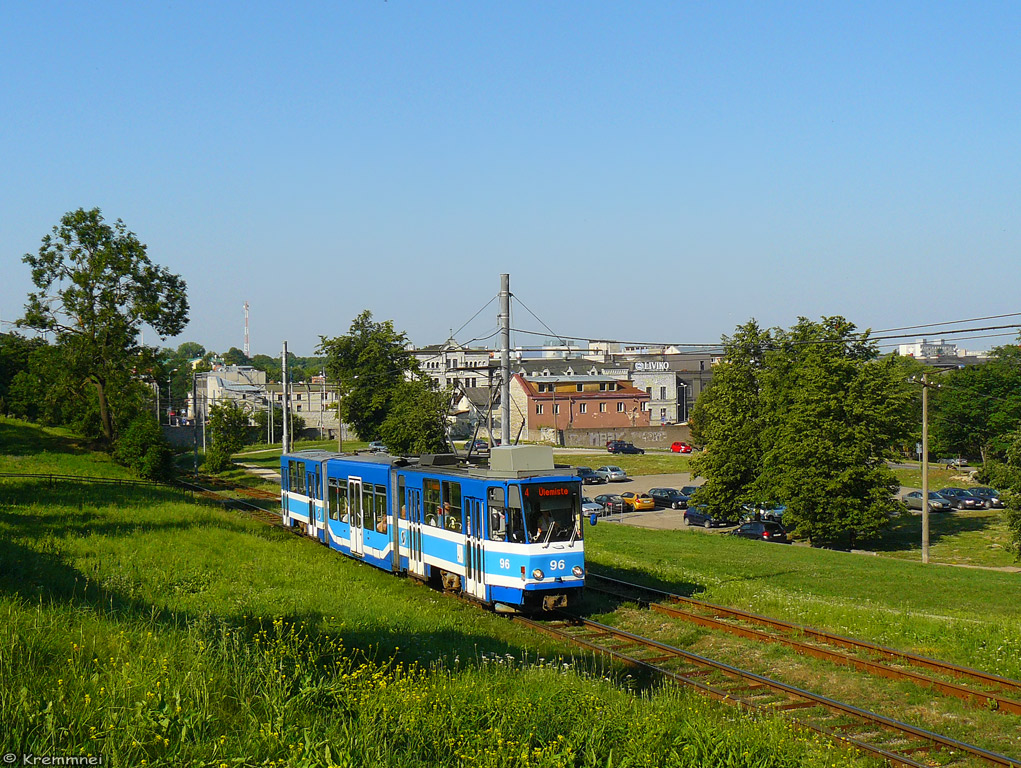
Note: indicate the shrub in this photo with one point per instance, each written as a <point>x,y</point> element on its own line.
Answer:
<point>143,449</point>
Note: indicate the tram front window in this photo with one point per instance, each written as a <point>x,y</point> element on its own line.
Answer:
<point>552,511</point>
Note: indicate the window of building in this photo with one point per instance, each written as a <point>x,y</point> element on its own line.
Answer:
<point>649,391</point>
<point>602,407</point>
<point>583,408</point>
<point>662,414</point>
<point>620,407</point>
<point>662,393</point>
<point>612,386</point>
<point>299,407</point>
<point>298,396</point>
<point>538,408</point>
<point>556,409</point>
<point>579,387</point>
<point>602,386</point>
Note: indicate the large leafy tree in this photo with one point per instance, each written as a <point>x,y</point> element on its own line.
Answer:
<point>726,421</point>
<point>805,417</point>
<point>371,363</point>
<point>415,423</point>
<point>95,287</point>
<point>831,413</point>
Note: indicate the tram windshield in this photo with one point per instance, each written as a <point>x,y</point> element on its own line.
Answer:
<point>552,511</point>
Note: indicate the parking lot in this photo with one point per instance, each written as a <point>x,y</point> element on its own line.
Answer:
<point>662,519</point>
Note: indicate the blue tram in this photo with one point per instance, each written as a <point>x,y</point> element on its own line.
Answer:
<point>509,534</point>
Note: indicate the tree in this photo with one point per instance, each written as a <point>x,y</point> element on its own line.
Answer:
<point>805,417</point>
<point>831,413</point>
<point>415,423</point>
<point>189,350</point>
<point>227,428</point>
<point>725,420</point>
<point>976,409</point>
<point>370,362</point>
<point>15,357</point>
<point>235,356</point>
<point>95,287</point>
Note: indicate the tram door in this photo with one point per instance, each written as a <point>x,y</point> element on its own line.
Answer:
<point>316,521</point>
<point>475,581</point>
<point>354,503</point>
<point>416,564</point>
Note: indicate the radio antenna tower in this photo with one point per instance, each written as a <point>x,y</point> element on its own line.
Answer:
<point>246,329</point>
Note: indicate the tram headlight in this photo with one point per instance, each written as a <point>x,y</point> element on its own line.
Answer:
<point>538,575</point>
<point>578,571</point>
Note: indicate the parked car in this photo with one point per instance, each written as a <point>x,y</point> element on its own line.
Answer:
<point>700,515</point>
<point>958,462</point>
<point>611,444</point>
<point>475,446</point>
<point>669,497</point>
<point>990,495</point>
<point>937,503</point>
<point>610,502</point>
<point>639,502</point>
<point>764,511</point>
<point>961,499</point>
<point>588,476</point>
<point>689,491</point>
<point>376,446</point>
<point>762,530</point>
<point>619,446</point>
<point>612,474</point>
<point>680,447</point>
<point>589,507</point>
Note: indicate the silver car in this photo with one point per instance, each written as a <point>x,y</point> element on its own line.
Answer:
<point>589,507</point>
<point>937,503</point>
<point>612,474</point>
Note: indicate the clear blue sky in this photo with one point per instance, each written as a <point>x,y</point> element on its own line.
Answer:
<point>643,170</point>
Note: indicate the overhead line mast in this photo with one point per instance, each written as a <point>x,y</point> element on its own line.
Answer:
<point>246,330</point>
<point>505,359</point>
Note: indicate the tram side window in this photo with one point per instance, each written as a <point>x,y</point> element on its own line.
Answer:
<point>452,506</point>
<point>515,518</point>
<point>338,500</point>
<point>381,507</point>
<point>432,502</point>
<point>496,501</point>
<point>401,498</point>
<point>296,470</point>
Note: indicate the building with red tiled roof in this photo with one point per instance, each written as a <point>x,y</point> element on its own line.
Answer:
<point>548,404</point>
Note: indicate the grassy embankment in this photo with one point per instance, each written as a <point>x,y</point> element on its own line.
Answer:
<point>971,617</point>
<point>139,626</point>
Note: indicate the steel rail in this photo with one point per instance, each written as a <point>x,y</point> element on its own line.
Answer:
<point>929,741</point>
<point>935,665</point>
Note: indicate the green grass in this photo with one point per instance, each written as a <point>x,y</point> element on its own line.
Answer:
<point>965,537</point>
<point>939,477</point>
<point>648,464</point>
<point>30,448</point>
<point>971,617</point>
<point>137,625</point>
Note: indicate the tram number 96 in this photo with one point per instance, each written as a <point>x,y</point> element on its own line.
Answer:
<point>556,565</point>
<point>505,563</point>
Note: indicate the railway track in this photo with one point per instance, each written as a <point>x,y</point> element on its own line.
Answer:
<point>896,742</point>
<point>270,517</point>
<point>980,689</point>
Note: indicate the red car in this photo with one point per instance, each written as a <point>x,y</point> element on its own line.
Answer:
<point>680,447</point>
